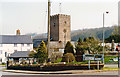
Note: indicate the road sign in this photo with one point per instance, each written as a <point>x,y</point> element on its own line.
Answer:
<point>98,57</point>
<point>89,57</point>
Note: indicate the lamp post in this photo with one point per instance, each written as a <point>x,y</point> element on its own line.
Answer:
<point>103,34</point>
<point>118,49</point>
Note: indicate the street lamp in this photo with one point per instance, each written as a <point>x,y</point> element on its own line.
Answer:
<point>103,34</point>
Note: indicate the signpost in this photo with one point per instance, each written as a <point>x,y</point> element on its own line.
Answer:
<point>89,57</point>
<point>98,58</point>
<point>94,57</point>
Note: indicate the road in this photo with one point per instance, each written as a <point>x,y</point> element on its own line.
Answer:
<point>111,65</point>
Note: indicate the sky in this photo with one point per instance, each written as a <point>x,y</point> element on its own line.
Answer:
<point>30,16</point>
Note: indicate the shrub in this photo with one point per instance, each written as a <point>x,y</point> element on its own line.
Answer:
<point>3,63</point>
<point>55,56</point>
<point>68,57</point>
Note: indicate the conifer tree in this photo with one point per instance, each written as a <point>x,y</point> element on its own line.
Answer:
<point>41,54</point>
<point>69,48</point>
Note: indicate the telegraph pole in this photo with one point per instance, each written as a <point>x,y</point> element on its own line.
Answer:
<point>48,45</point>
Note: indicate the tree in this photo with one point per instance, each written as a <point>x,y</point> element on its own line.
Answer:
<point>90,45</point>
<point>79,40</point>
<point>41,54</point>
<point>113,37</point>
<point>69,48</point>
<point>93,46</point>
<point>79,50</point>
<point>116,30</point>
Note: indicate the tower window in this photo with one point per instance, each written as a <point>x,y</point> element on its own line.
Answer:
<point>65,22</point>
<point>54,24</point>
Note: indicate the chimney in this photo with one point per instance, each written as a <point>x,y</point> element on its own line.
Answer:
<point>18,32</point>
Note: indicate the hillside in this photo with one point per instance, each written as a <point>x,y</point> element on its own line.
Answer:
<point>95,32</point>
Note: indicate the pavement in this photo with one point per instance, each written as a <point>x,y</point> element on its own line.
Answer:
<point>59,72</point>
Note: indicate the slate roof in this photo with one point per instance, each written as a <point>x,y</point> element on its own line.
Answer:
<point>20,54</point>
<point>12,39</point>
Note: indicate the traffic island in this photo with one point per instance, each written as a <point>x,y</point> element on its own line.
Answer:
<point>54,67</point>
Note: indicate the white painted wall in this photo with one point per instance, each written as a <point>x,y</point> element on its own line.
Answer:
<point>10,48</point>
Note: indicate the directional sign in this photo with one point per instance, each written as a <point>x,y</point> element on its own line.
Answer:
<point>98,57</point>
<point>89,57</point>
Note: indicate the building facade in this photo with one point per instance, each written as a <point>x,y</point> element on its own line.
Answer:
<point>11,43</point>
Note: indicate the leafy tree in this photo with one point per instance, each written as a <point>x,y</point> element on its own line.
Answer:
<point>69,48</point>
<point>41,53</point>
<point>93,46</point>
<point>90,45</point>
<point>113,37</point>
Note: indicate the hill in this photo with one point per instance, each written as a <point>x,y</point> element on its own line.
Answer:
<point>94,32</point>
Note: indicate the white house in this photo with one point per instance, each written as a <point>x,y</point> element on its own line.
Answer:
<point>11,43</point>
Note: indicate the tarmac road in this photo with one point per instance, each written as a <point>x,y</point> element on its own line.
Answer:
<point>111,65</point>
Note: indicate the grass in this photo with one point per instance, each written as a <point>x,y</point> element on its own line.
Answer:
<point>58,60</point>
<point>3,65</point>
<point>110,68</point>
<point>80,62</point>
<point>106,59</point>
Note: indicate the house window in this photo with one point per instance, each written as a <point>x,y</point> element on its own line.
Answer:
<point>0,51</point>
<point>15,45</point>
<point>0,45</point>
<point>22,45</point>
<point>28,44</point>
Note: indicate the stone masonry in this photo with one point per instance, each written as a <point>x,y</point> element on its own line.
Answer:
<point>60,28</point>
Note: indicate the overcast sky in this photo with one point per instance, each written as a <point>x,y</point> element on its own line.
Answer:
<point>30,16</point>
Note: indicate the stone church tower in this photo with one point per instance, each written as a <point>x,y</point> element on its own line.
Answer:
<point>60,28</point>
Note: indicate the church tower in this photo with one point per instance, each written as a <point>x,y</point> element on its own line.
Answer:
<point>60,28</point>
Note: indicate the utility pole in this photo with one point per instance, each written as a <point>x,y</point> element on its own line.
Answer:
<point>48,45</point>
